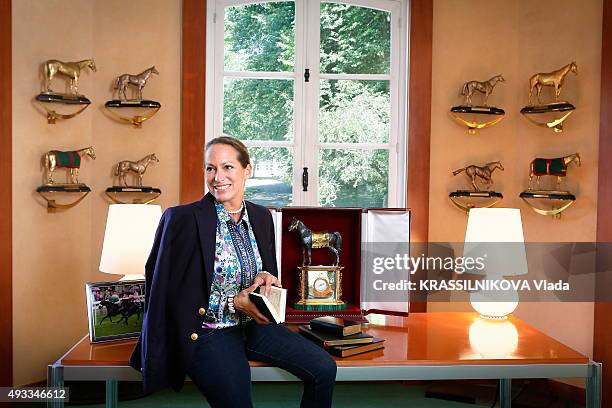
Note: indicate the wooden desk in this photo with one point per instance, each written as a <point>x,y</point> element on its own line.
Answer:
<point>423,346</point>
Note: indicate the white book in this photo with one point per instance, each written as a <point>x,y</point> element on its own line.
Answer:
<point>272,306</point>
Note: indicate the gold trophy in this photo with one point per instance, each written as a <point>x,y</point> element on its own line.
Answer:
<point>320,286</point>
<point>140,194</point>
<point>71,71</point>
<point>476,117</point>
<point>550,115</point>
<point>465,199</point>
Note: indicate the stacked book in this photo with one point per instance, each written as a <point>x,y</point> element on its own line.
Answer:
<point>340,337</point>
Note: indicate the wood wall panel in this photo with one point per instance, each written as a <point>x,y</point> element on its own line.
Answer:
<point>6,222</point>
<point>419,124</point>
<point>193,91</point>
<point>602,336</point>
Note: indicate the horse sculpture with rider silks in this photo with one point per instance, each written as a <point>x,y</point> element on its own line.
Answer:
<point>71,160</point>
<point>554,79</point>
<point>483,173</point>
<point>484,88</point>
<point>138,167</point>
<point>551,167</point>
<point>139,81</point>
<point>72,70</point>
<point>320,239</point>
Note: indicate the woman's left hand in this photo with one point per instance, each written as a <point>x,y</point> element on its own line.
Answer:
<point>267,279</point>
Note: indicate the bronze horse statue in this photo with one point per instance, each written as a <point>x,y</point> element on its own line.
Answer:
<point>554,79</point>
<point>71,160</point>
<point>140,80</point>
<point>485,88</point>
<point>139,167</point>
<point>321,239</point>
<point>551,167</point>
<point>484,172</point>
<point>72,70</point>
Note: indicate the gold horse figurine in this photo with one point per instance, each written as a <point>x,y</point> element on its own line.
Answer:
<point>554,79</point>
<point>72,70</point>
<point>485,88</point>
<point>139,167</point>
<point>140,80</point>
<point>484,173</point>
<point>551,167</point>
<point>71,160</point>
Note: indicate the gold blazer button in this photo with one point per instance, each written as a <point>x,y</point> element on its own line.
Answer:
<point>194,336</point>
<point>201,311</point>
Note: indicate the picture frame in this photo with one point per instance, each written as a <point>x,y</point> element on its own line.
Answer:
<point>115,310</point>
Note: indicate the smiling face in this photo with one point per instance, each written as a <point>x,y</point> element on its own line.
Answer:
<point>225,176</point>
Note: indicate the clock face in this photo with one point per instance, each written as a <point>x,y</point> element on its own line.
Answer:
<point>321,284</point>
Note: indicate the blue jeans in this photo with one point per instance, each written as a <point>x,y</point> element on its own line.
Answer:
<point>220,365</point>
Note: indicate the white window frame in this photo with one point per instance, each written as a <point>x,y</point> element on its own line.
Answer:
<point>306,123</point>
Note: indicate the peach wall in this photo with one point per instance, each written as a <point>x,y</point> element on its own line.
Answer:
<point>55,254</point>
<point>477,39</point>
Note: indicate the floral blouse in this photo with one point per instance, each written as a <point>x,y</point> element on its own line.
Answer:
<point>237,261</point>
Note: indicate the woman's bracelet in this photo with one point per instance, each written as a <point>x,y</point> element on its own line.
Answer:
<point>230,305</point>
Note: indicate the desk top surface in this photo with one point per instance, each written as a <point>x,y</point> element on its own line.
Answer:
<point>420,339</point>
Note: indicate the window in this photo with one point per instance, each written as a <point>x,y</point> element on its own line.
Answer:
<point>316,90</point>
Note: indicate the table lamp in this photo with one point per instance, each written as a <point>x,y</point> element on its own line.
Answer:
<point>496,235</point>
<point>128,238</point>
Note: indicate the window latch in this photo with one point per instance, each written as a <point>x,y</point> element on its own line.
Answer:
<point>305,179</point>
<point>306,78</point>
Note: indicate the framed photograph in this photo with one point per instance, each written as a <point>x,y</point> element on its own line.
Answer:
<point>115,309</point>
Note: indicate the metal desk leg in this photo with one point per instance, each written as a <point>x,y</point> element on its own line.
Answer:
<point>505,392</point>
<point>55,378</point>
<point>593,386</point>
<point>111,394</point>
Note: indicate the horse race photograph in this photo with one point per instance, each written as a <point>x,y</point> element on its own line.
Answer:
<point>115,309</point>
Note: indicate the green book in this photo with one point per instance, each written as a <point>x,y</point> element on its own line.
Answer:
<point>326,339</point>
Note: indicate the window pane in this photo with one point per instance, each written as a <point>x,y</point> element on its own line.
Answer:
<point>355,40</point>
<point>260,37</point>
<point>272,176</point>
<point>353,178</point>
<point>258,109</point>
<point>354,111</point>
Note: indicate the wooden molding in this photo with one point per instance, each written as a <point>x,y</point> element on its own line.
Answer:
<point>6,191</point>
<point>193,91</point>
<point>602,336</point>
<point>419,130</point>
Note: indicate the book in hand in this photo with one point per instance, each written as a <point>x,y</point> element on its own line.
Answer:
<point>336,325</point>
<point>273,305</point>
<point>327,340</point>
<point>351,350</point>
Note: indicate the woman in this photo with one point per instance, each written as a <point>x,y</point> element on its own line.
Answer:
<point>206,258</point>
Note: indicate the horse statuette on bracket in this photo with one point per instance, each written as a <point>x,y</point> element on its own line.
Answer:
<point>474,199</point>
<point>139,109</point>
<point>556,167</point>
<point>549,115</point>
<point>122,192</point>
<point>480,116</point>
<point>72,72</point>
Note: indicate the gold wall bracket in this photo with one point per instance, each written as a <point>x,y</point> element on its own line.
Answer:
<point>136,120</point>
<point>557,196</point>
<point>45,99</point>
<point>466,200</point>
<point>133,195</point>
<point>549,116</point>
<point>50,192</point>
<point>476,117</point>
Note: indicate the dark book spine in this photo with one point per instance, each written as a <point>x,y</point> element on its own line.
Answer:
<point>327,327</point>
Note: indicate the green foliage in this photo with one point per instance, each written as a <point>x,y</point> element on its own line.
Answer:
<point>260,37</point>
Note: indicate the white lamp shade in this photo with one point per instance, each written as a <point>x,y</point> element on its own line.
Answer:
<point>496,234</point>
<point>128,238</point>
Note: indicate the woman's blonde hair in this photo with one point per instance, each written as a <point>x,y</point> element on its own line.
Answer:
<point>243,153</point>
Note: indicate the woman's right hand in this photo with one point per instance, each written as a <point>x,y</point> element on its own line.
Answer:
<point>243,304</point>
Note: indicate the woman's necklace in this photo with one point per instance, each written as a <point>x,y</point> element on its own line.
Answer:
<point>238,211</point>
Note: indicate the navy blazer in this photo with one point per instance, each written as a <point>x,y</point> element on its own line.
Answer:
<point>179,274</point>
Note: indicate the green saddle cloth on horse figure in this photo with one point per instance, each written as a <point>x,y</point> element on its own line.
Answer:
<point>549,166</point>
<point>68,159</point>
